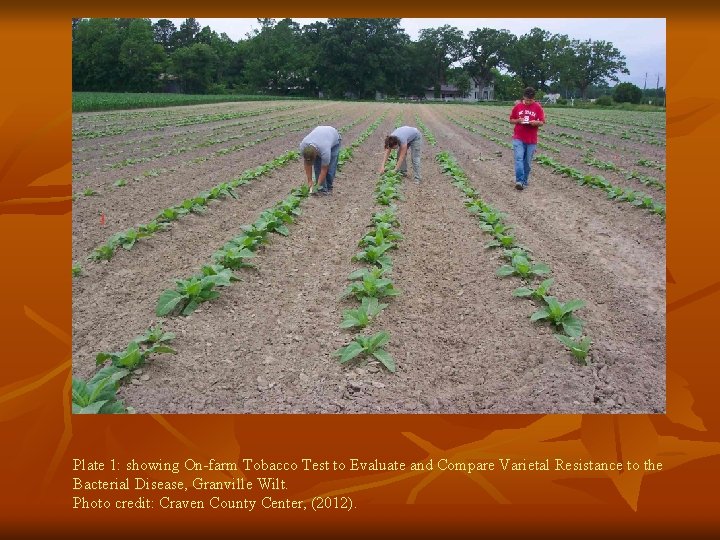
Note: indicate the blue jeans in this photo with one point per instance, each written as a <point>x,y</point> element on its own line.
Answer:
<point>523,158</point>
<point>332,167</point>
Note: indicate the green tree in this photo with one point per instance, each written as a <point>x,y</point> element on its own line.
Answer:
<point>626,92</point>
<point>362,56</point>
<point>95,53</point>
<point>277,61</point>
<point>459,78</point>
<point>585,63</point>
<point>142,59</point>
<point>442,47</point>
<point>195,67</point>
<point>163,32</point>
<point>185,36</point>
<point>508,87</point>
<point>312,36</point>
<point>534,57</point>
<point>75,23</point>
<point>487,50</point>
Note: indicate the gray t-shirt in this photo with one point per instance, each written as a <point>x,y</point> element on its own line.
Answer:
<point>406,134</point>
<point>323,138</point>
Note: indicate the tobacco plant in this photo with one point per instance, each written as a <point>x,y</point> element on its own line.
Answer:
<point>368,346</point>
<point>97,396</point>
<point>538,293</point>
<point>523,252</point>
<point>189,294</point>
<point>375,255</point>
<point>370,283</point>
<point>137,352</point>
<point>561,315</point>
<point>381,235</point>
<point>102,253</point>
<point>233,257</point>
<point>386,217</point>
<point>578,347</point>
<point>521,266</point>
<point>363,315</point>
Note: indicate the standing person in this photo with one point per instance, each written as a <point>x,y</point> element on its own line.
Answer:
<point>320,148</point>
<point>401,138</point>
<point>527,116</point>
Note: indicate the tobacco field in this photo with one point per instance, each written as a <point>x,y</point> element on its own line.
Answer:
<point>207,280</point>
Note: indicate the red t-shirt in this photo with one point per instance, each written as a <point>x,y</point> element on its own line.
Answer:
<point>527,134</point>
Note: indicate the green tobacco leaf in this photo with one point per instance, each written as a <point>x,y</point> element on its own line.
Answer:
<point>168,302</point>
<point>113,407</point>
<point>157,349</point>
<point>540,315</point>
<point>80,392</point>
<point>112,373</point>
<point>385,358</point>
<point>372,307</point>
<point>505,270</point>
<point>190,307</point>
<point>522,292</point>
<point>131,358</point>
<point>102,357</point>
<point>351,319</point>
<point>579,348</point>
<point>572,325</point>
<point>93,408</point>
<point>554,307</point>
<point>544,287</point>
<point>349,352</point>
<point>156,334</point>
<point>572,305</point>
<point>378,340</point>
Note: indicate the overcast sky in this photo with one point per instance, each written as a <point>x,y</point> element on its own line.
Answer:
<point>642,41</point>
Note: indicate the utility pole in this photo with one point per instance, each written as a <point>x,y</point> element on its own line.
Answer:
<point>645,86</point>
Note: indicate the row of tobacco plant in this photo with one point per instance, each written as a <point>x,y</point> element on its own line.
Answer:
<point>373,283</point>
<point>519,263</point>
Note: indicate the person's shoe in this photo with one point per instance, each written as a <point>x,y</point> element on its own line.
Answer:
<point>323,191</point>
<point>417,180</point>
<point>519,186</point>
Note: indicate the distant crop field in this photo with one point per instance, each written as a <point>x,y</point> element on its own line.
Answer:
<point>107,101</point>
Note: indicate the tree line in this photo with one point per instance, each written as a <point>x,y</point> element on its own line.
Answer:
<point>343,57</point>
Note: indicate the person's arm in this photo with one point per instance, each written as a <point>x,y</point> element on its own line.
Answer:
<point>323,173</point>
<point>401,155</point>
<point>308,174</point>
<point>514,117</point>
<point>385,158</point>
